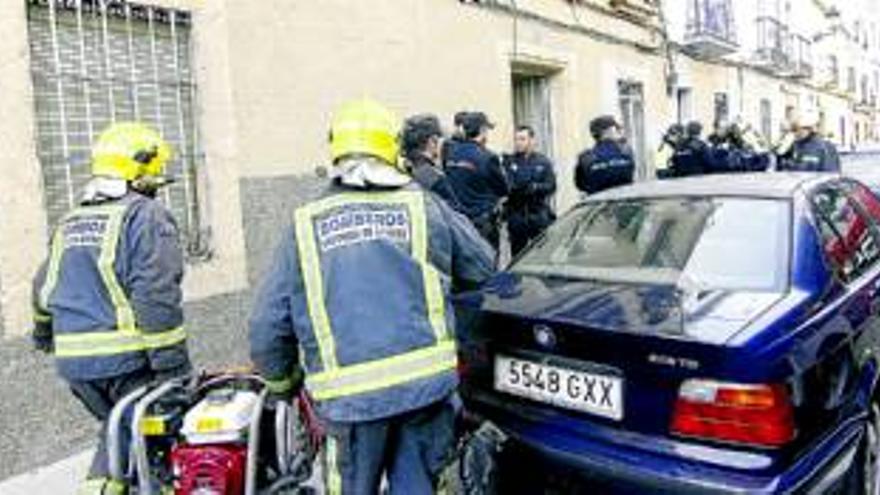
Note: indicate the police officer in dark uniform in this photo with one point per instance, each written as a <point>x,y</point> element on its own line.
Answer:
<point>721,158</point>
<point>810,152</point>
<point>669,145</point>
<point>609,163</point>
<point>532,184</point>
<point>420,139</point>
<point>456,138</point>
<point>674,136</point>
<point>692,154</point>
<point>477,178</point>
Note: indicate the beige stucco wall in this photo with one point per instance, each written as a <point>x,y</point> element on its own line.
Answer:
<point>424,55</point>
<point>270,73</point>
<point>221,207</point>
<point>22,218</point>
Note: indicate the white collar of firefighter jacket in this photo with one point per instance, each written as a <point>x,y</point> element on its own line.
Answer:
<point>101,188</point>
<point>362,172</point>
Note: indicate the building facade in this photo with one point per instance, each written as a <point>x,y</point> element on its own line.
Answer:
<point>244,91</point>
<point>762,61</point>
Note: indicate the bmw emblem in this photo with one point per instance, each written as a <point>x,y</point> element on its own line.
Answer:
<point>544,336</point>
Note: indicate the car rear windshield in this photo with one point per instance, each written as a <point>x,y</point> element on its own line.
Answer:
<point>710,243</point>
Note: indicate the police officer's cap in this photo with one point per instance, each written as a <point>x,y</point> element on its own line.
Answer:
<point>694,128</point>
<point>599,125</point>
<point>459,118</point>
<point>675,129</point>
<point>418,129</point>
<point>474,122</point>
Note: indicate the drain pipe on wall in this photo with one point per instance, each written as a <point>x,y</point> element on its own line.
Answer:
<point>671,72</point>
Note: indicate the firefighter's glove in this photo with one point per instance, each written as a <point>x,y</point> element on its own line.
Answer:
<point>284,389</point>
<point>44,344</point>
<point>42,333</point>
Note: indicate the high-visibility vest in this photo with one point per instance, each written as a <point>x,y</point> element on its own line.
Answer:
<point>327,378</point>
<point>98,229</point>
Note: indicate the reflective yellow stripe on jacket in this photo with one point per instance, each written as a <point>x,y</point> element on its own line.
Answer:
<point>114,342</point>
<point>126,337</point>
<point>336,381</point>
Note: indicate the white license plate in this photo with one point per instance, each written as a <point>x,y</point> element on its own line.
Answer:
<point>594,393</point>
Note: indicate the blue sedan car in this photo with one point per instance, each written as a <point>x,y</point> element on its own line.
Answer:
<point>716,334</point>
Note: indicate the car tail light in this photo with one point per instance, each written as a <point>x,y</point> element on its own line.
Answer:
<point>759,415</point>
<point>462,368</point>
<point>471,358</point>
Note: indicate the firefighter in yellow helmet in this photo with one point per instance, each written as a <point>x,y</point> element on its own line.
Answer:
<point>809,151</point>
<point>357,296</point>
<point>107,301</point>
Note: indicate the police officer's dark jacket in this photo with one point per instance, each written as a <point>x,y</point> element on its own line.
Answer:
<point>448,146</point>
<point>532,183</point>
<point>476,177</point>
<point>690,158</point>
<point>430,177</point>
<point>608,164</point>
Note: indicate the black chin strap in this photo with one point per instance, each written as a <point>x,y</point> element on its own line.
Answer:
<point>144,188</point>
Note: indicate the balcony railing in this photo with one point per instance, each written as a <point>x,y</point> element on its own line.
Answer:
<point>774,46</point>
<point>711,30</point>
<point>644,8</point>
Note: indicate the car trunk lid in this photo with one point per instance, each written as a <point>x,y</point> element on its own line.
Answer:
<point>647,339</point>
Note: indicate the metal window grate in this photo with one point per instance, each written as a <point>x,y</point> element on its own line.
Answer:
<point>94,62</point>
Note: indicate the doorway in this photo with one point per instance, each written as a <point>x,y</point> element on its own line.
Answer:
<point>631,95</point>
<point>533,106</point>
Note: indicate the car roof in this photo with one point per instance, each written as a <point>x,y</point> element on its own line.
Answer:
<point>758,185</point>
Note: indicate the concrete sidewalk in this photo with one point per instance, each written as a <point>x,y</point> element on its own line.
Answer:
<point>61,478</point>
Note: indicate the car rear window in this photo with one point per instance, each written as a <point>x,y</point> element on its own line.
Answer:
<point>713,243</point>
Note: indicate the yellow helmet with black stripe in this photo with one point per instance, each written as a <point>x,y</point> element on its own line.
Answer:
<point>130,151</point>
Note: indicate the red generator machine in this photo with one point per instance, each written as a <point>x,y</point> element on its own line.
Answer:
<point>213,435</point>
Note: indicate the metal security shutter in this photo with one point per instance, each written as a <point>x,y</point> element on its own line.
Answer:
<point>94,62</point>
